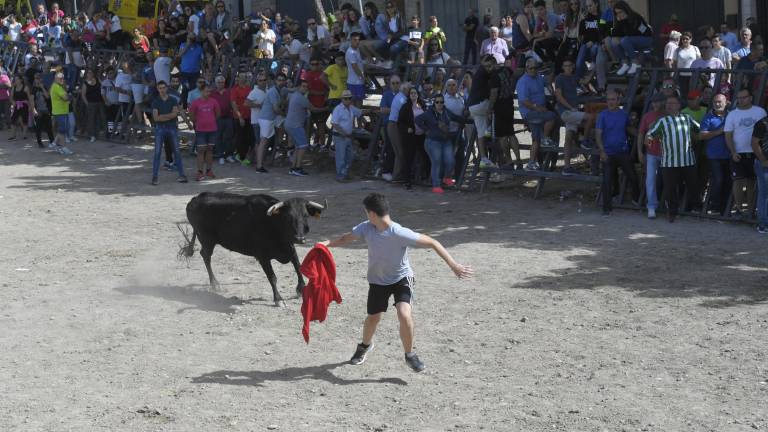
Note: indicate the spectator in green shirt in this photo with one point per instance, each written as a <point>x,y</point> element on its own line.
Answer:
<point>60,110</point>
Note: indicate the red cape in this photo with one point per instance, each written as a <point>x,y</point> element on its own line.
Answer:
<point>320,268</point>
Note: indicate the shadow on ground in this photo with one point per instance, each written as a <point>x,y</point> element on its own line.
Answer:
<point>198,297</point>
<point>291,374</point>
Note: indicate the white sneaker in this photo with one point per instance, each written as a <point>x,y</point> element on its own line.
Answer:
<point>623,69</point>
<point>73,139</point>
<point>64,151</point>
<point>52,146</point>
<point>93,139</point>
<point>590,66</point>
<point>67,140</point>
<point>387,177</point>
<point>231,159</point>
<point>221,161</point>
<point>633,69</point>
<point>651,213</point>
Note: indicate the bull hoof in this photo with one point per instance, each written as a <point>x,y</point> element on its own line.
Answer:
<point>280,303</point>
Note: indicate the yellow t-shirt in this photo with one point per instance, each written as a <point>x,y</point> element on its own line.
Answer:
<point>338,77</point>
<point>59,103</point>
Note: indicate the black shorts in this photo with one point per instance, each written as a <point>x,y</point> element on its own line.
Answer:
<point>744,168</point>
<point>378,295</point>
<point>319,117</point>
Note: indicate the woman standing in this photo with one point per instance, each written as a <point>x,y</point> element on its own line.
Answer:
<point>21,100</point>
<point>94,103</point>
<point>411,135</point>
<point>436,122</point>
<point>685,55</point>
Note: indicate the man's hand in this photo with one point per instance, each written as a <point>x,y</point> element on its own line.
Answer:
<point>736,157</point>
<point>462,271</point>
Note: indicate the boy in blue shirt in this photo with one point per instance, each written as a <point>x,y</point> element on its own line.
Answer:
<point>613,144</point>
<point>390,273</point>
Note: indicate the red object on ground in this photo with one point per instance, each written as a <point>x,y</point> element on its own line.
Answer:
<point>320,268</point>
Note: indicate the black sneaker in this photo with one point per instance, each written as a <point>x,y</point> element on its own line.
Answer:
<point>155,181</point>
<point>262,170</point>
<point>361,353</point>
<point>414,362</point>
<point>182,179</point>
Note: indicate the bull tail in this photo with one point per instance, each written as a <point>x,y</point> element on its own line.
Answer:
<point>187,247</point>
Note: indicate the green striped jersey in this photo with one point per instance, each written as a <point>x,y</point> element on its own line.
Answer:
<point>675,132</point>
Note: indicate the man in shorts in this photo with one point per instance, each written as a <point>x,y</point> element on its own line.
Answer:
<point>60,110</point>
<point>204,111</point>
<point>270,109</point>
<point>390,273</point>
<point>298,108</point>
<point>566,85</point>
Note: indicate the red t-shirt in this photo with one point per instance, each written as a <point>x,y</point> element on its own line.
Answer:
<point>205,111</point>
<point>239,95</point>
<point>668,27</point>
<point>653,145</point>
<point>224,100</point>
<point>315,85</point>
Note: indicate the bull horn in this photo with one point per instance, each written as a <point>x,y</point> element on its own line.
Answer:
<point>318,206</point>
<point>275,207</point>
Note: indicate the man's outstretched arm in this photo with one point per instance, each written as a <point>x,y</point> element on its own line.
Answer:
<point>461,271</point>
<point>341,241</point>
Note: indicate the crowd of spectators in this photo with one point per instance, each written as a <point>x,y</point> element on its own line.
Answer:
<point>305,86</point>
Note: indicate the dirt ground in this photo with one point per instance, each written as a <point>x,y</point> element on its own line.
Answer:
<point>573,322</point>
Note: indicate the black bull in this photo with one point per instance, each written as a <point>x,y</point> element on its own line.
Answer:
<point>260,226</point>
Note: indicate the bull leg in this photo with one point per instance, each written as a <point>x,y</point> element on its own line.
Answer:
<point>206,252</point>
<point>300,283</point>
<point>266,265</point>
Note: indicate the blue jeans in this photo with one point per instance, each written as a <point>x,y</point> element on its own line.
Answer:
<point>441,159</point>
<point>632,45</point>
<point>344,155</point>
<point>651,174</point>
<point>163,133</point>
<point>761,173</point>
<point>586,53</point>
<point>719,184</point>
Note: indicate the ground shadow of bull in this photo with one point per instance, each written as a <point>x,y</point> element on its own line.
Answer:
<point>258,378</point>
<point>198,296</point>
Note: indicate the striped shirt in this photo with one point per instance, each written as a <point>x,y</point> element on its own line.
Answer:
<point>676,143</point>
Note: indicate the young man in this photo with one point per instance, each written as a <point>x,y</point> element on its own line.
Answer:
<point>739,126</point>
<point>60,110</point>
<point>295,119</point>
<point>355,70</point>
<point>204,111</point>
<point>343,123</point>
<point>649,151</point>
<point>270,109</point>
<point>611,133</point>
<point>390,273</point>
<point>566,85</point>
<point>165,109</point>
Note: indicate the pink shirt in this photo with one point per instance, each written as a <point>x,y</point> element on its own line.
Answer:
<point>5,89</point>
<point>205,112</point>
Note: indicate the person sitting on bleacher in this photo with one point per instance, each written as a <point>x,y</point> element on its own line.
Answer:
<point>591,33</point>
<point>545,42</point>
<point>636,36</point>
<point>566,85</point>
<point>745,45</point>
<point>522,27</point>
<point>533,108</point>
<point>612,134</point>
<point>495,46</point>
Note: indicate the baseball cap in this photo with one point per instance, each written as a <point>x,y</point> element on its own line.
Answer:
<point>346,94</point>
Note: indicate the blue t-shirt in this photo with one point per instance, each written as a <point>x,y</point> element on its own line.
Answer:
<point>614,127</point>
<point>531,89</point>
<point>190,61</point>
<point>268,107</point>
<point>716,148</point>
<point>386,100</point>
<point>387,252</point>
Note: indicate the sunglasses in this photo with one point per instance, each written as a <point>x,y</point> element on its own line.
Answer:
<point>668,86</point>
<point>312,23</point>
<point>439,102</point>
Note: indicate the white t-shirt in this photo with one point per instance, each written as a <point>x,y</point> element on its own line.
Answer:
<point>353,56</point>
<point>162,69</point>
<point>13,31</point>
<point>123,82</point>
<point>266,43</point>
<point>256,95</point>
<point>669,50</point>
<point>195,21</point>
<point>685,56</point>
<point>115,24</point>
<point>742,122</point>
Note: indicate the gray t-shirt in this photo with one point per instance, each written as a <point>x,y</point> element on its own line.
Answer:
<point>270,105</point>
<point>387,252</point>
<point>568,85</point>
<point>298,105</point>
